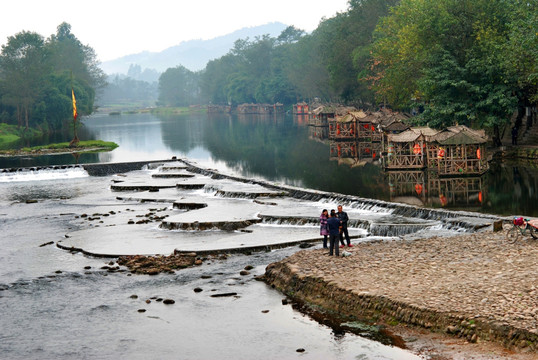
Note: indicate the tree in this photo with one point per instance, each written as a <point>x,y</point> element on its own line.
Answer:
<point>520,52</point>
<point>69,54</point>
<point>37,77</point>
<point>449,55</point>
<point>343,43</point>
<point>178,87</point>
<point>214,79</point>
<point>290,35</point>
<point>23,62</point>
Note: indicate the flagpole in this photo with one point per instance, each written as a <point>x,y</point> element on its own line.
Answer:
<point>75,140</point>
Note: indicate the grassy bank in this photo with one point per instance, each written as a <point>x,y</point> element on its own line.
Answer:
<point>83,146</point>
<point>10,134</point>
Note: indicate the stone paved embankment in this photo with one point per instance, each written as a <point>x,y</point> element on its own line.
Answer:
<point>476,286</point>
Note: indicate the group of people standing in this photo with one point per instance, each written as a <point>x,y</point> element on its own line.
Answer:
<point>334,226</point>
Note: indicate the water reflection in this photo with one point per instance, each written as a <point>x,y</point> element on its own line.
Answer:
<point>355,153</point>
<point>424,188</point>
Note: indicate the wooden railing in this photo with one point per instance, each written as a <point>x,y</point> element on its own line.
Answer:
<point>401,161</point>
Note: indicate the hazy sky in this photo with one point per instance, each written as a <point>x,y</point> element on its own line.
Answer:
<point>114,28</point>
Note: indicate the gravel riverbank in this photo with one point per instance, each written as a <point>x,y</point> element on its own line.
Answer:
<point>476,288</point>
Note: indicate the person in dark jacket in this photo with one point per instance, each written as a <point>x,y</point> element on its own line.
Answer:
<point>333,223</point>
<point>514,135</point>
<point>342,215</point>
<point>323,230</point>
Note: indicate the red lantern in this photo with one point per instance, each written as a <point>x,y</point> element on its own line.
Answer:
<point>416,149</point>
<point>337,129</point>
<point>478,153</point>
<point>418,188</point>
<point>441,153</point>
<point>480,196</point>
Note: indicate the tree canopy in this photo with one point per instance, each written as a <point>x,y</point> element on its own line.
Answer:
<point>37,75</point>
<point>466,62</point>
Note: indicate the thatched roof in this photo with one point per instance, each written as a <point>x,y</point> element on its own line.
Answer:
<point>337,110</point>
<point>460,135</point>
<point>412,134</point>
<point>392,125</point>
<point>383,118</point>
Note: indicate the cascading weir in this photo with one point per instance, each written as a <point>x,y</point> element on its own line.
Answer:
<point>463,220</point>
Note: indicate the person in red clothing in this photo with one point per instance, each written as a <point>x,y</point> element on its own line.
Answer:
<point>323,230</point>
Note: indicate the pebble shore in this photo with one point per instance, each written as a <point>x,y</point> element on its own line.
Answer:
<point>474,286</point>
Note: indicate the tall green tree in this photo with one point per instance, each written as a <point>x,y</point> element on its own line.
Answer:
<point>449,55</point>
<point>520,52</point>
<point>69,54</point>
<point>23,63</point>
<point>178,87</point>
<point>214,79</point>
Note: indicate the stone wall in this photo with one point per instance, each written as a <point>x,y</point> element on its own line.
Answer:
<point>364,307</point>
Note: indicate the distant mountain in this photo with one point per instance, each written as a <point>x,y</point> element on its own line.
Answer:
<point>192,54</point>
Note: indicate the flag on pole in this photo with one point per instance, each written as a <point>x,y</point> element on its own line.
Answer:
<point>75,114</point>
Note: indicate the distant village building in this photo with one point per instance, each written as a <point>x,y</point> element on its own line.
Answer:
<point>218,109</point>
<point>301,109</point>
<point>265,109</point>
<point>365,128</point>
<point>247,109</point>
<point>321,115</point>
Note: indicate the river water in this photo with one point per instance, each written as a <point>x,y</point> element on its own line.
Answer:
<point>60,305</point>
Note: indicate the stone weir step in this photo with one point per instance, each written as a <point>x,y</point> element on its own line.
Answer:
<point>104,169</point>
<point>140,187</point>
<point>228,225</point>
<point>172,175</point>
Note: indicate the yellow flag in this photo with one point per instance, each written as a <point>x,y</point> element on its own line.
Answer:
<point>75,114</point>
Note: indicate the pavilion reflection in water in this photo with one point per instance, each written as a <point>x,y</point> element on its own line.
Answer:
<point>354,153</point>
<point>423,188</point>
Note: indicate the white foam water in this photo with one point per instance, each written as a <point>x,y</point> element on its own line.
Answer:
<point>32,174</point>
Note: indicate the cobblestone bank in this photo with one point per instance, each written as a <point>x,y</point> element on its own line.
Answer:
<point>475,286</point>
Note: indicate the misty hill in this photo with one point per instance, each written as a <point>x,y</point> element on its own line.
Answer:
<point>192,54</point>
